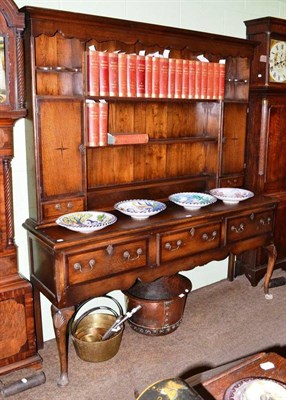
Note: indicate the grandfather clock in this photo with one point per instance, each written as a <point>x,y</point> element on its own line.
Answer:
<point>266,140</point>
<point>17,333</point>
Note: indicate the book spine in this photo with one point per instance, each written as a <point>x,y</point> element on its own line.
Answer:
<point>204,79</point>
<point>171,77</point>
<point>210,84</point>
<point>148,76</point>
<point>216,81</point>
<point>192,79</point>
<point>127,138</point>
<point>103,123</point>
<point>185,79</point>
<point>92,123</point>
<point>140,76</point>
<point>163,77</point>
<point>113,74</point>
<point>131,75</point>
<point>198,79</point>
<point>178,78</point>
<point>221,81</point>
<point>122,75</point>
<point>103,73</point>
<point>92,73</point>
<point>155,77</point>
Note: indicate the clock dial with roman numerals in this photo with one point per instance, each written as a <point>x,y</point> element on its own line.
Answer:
<point>277,61</point>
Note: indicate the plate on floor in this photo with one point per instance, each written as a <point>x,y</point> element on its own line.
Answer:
<point>256,388</point>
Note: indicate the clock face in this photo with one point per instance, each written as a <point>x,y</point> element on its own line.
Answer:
<point>277,61</point>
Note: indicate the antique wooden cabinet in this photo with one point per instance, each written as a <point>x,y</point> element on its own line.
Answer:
<point>194,145</point>
<point>266,155</point>
<point>17,332</point>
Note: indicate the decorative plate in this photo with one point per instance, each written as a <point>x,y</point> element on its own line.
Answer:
<point>231,195</point>
<point>140,209</point>
<point>86,221</point>
<point>192,200</point>
<point>256,389</point>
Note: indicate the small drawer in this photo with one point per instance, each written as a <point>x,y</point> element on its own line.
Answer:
<point>236,181</point>
<point>189,241</point>
<point>250,225</point>
<point>56,209</point>
<point>106,261</point>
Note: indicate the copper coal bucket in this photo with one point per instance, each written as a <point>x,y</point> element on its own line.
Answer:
<point>88,329</point>
<point>163,302</point>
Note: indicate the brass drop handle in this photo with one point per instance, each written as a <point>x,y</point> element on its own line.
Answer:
<point>78,267</point>
<point>267,221</point>
<point>239,229</point>
<point>58,206</point>
<point>207,238</point>
<point>128,257</point>
<point>169,247</point>
<point>70,205</point>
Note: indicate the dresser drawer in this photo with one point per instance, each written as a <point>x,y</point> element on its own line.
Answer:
<point>58,208</point>
<point>249,225</point>
<point>106,261</point>
<point>194,239</point>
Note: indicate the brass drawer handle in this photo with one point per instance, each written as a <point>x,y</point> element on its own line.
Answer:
<point>70,205</point>
<point>267,221</point>
<point>207,238</point>
<point>192,232</point>
<point>128,257</point>
<point>169,247</point>
<point>78,267</point>
<point>58,206</point>
<point>239,229</point>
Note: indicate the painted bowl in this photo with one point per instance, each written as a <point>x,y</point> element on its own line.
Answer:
<point>140,208</point>
<point>192,200</point>
<point>231,195</point>
<point>86,221</point>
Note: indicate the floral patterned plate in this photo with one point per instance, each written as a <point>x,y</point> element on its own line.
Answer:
<point>86,221</point>
<point>192,200</point>
<point>231,195</point>
<point>140,209</point>
<point>258,388</point>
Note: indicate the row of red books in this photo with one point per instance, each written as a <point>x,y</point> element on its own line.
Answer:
<point>133,75</point>
<point>97,127</point>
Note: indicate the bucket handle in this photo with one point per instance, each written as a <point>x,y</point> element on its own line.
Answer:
<point>75,326</point>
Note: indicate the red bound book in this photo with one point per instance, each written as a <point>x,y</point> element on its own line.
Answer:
<point>113,74</point>
<point>204,79</point>
<point>140,76</point>
<point>103,123</point>
<point>171,77</point>
<point>163,77</point>
<point>127,138</point>
<point>148,76</point>
<point>92,73</point>
<point>92,123</point>
<point>210,85</point>
<point>122,76</point>
<point>131,75</point>
<point>192,79</point>
<point>178,78</point>
<point>221,81</point>
<point>185,79</point>
<point>198,79</point>
<point>216,81</point>
<point>155,76</point>
<point>103,73</point>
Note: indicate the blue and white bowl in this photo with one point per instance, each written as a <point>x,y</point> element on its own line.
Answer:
<point>192,200</point>
<point>86,221</point>
<point>140,208</point>
<point>231,195</point>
